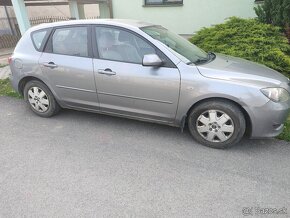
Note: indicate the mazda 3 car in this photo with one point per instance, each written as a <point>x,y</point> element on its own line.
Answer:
<point>143,71</point>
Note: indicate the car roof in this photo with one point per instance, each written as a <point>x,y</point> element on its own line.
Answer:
<point>116,22</point>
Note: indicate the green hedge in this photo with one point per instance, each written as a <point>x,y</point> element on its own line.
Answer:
<point>249,39</point>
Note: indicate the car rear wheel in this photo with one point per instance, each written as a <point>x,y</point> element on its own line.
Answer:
<point>217,123</point>
<point>40,99</point>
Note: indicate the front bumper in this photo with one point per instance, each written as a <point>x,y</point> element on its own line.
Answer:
<point>268,120</point>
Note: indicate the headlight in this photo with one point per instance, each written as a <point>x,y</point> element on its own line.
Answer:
<point>276,94</point>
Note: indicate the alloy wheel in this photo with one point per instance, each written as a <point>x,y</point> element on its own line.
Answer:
<point>215,126</point>
<point>38,99</point>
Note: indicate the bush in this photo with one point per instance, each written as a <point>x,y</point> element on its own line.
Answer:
<point>249,39</point>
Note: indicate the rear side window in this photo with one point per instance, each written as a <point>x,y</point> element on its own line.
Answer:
<point>70,41</point>
<point>38,39</point>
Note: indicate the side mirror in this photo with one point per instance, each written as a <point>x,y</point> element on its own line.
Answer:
<point>152,60</point>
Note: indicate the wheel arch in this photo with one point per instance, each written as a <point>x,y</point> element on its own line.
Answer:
<point>53,107</point>
<point>245,113</point>
<point>24,81</point>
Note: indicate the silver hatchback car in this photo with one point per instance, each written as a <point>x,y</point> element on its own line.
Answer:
<point>143,71</point>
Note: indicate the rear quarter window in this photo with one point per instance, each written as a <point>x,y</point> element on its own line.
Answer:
<point>38,38</point>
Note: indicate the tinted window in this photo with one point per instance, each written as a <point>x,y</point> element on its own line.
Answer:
<point>120,45</point>
<point>38,38</point>
<point>70,41</point>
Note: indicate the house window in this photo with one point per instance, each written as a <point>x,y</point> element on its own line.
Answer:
<point>163,2</point>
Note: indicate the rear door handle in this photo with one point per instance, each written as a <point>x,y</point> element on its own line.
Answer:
<point>50,65</point>
<point>107,72</point>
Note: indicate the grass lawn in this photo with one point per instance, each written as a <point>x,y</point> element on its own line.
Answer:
<point>6,90</point>
<point>285,135</point>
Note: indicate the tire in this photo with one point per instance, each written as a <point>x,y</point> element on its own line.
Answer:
<point>40,99</point>
<point>217,124</point>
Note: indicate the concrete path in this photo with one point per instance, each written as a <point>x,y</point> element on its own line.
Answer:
<point>4,60</point>
<point>4,54</point>
<point>6,51</point>
<point>4,72</point>
<point>80,164</point>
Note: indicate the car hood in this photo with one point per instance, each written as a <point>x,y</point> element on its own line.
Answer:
<point>232,68</point>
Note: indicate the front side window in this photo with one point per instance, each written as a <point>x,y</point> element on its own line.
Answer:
<point>38,38</point>
<point>181,47</point>
<point>70,41</point>
<point>120,45</point>
<point>163,2</point>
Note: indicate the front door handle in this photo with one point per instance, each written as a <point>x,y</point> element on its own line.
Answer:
<point>107,72</point>
<point>50,65</point>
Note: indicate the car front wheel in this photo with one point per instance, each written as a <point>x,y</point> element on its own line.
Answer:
<point>217,123</point>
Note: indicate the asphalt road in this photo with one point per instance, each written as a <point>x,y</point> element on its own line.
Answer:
<point>80,164</point>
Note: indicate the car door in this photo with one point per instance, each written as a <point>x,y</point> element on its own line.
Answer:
<point>124,85</point>
<point>68,65</point>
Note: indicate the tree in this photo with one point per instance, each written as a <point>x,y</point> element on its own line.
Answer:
<point>275,12</point>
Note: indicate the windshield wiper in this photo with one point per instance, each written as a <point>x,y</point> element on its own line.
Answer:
<point>201,61</point>
<point>211,55</point>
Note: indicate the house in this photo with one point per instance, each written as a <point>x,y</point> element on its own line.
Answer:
<point>183,16</point>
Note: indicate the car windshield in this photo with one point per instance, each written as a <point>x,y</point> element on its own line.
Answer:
<point>185,50</point>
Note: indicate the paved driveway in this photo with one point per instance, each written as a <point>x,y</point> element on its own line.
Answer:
<point>87,165</point>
